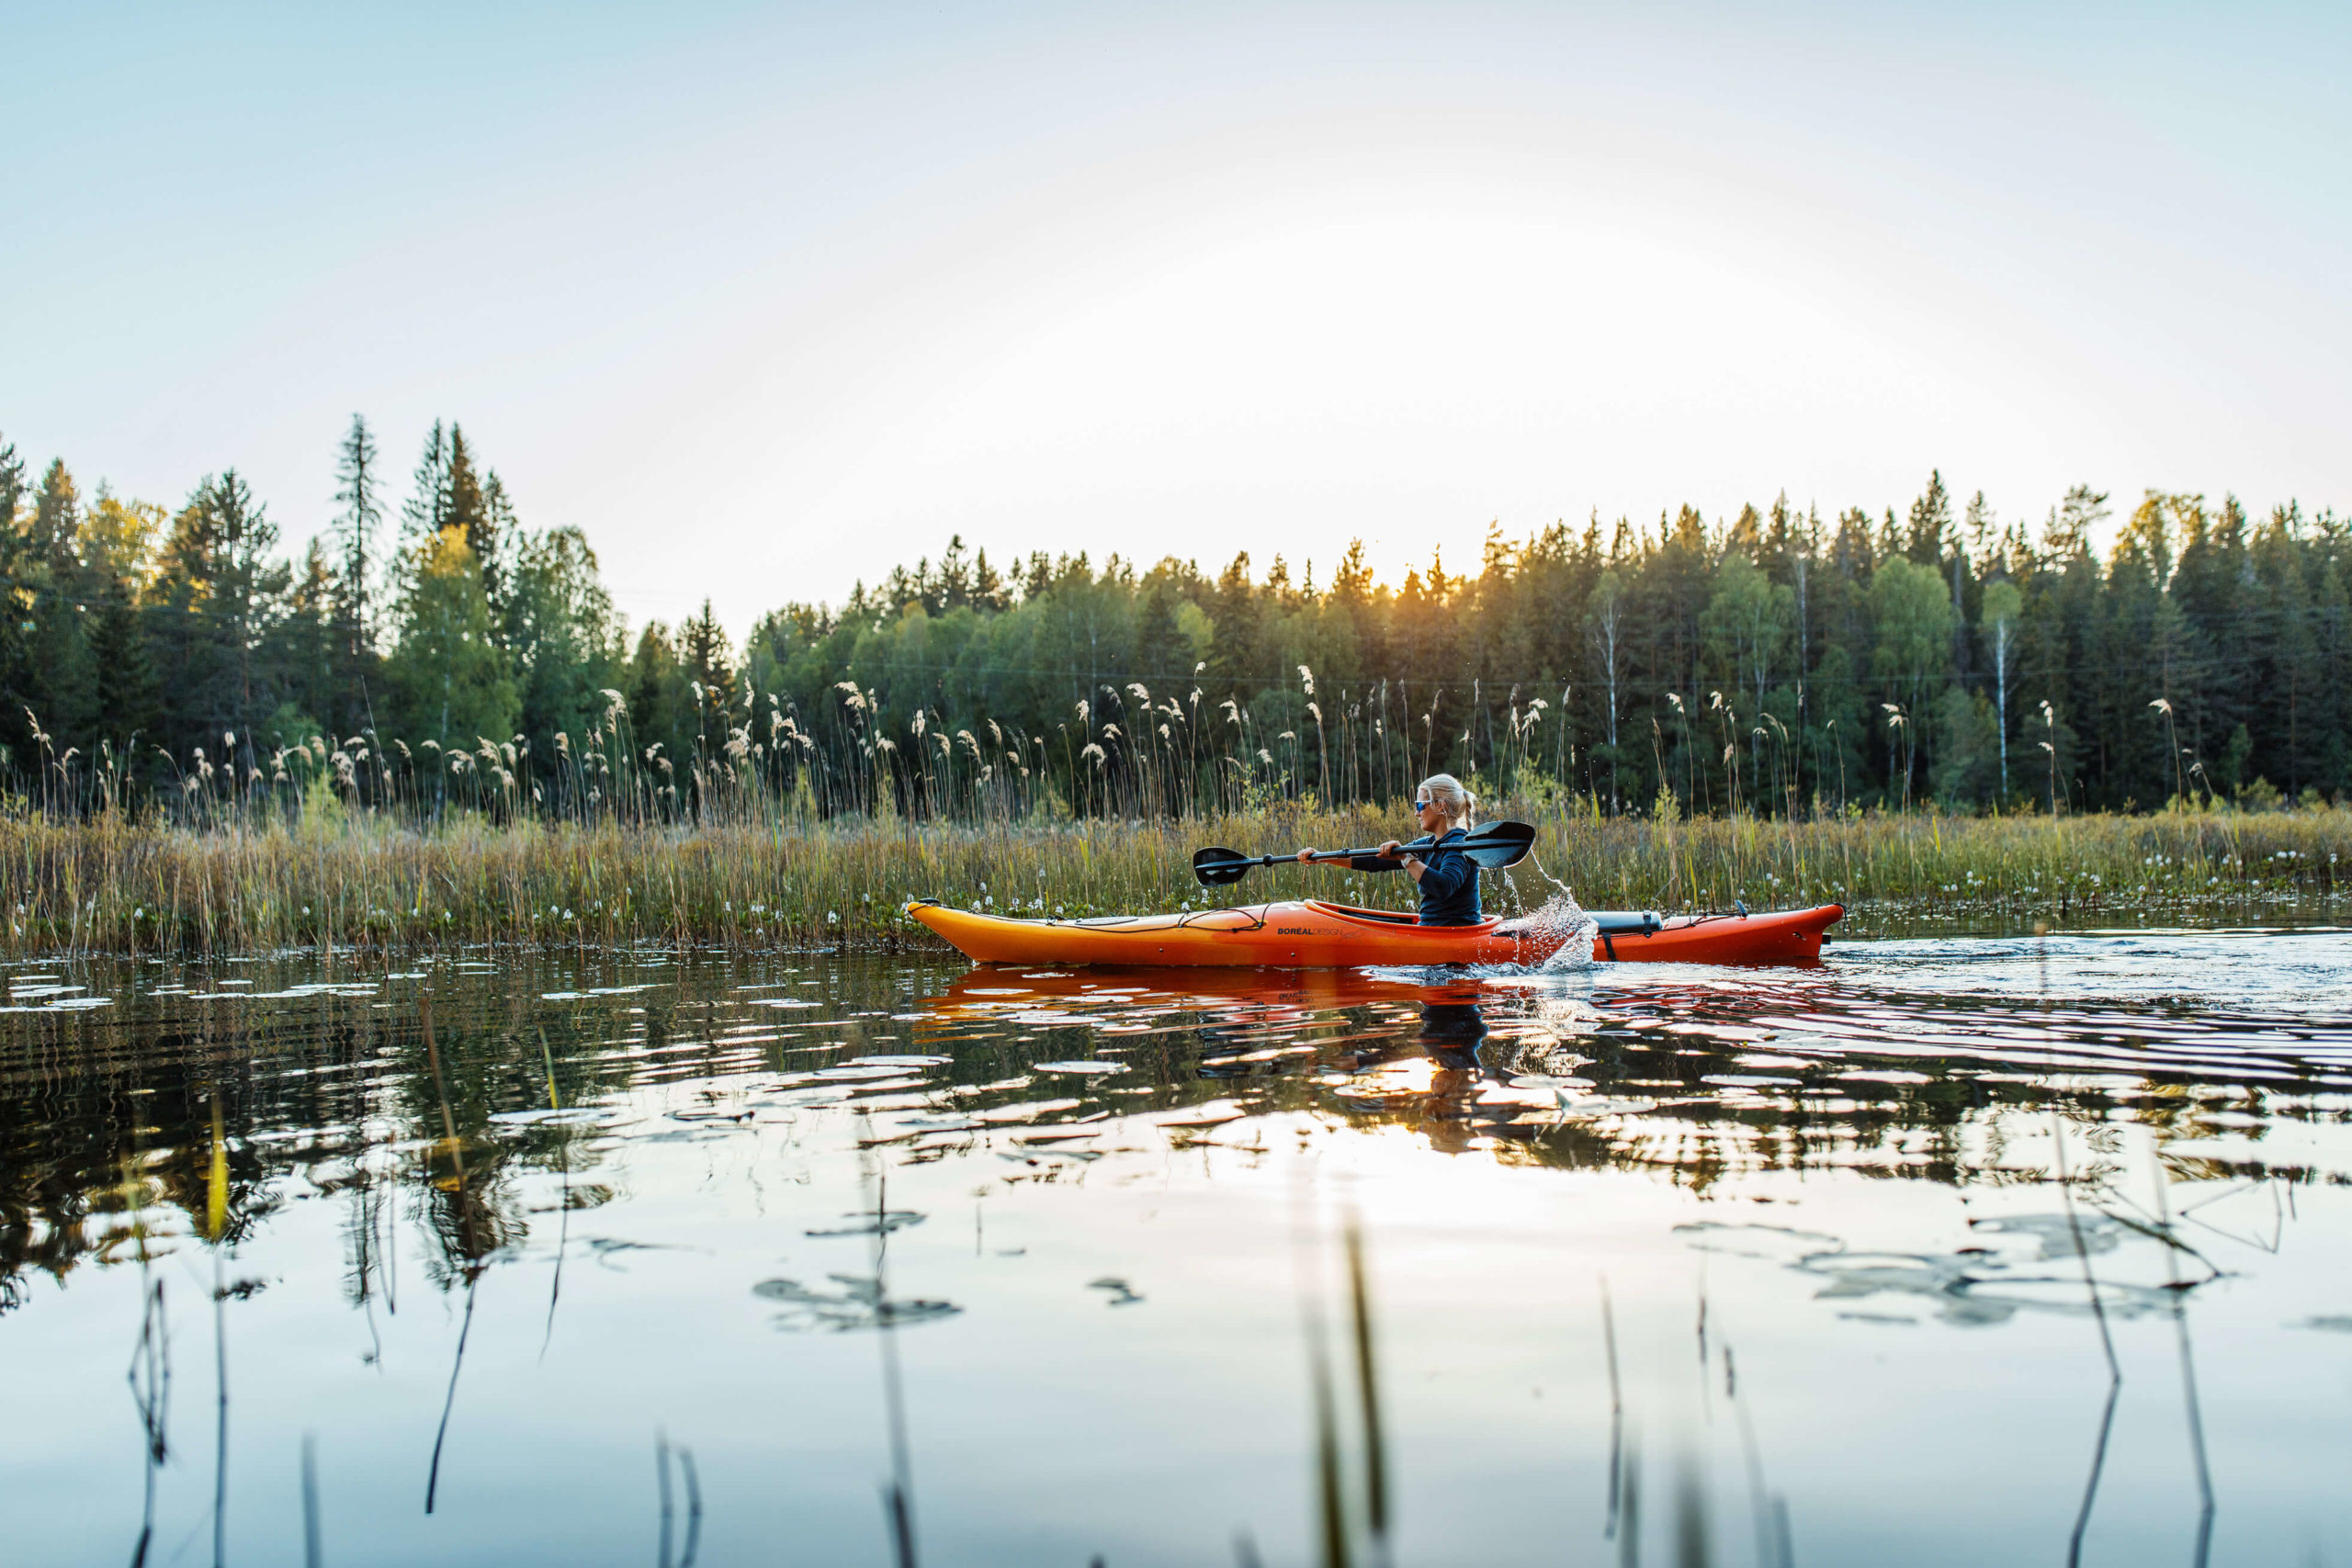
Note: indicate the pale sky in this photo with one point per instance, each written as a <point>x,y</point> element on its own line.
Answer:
<point>768,299</point>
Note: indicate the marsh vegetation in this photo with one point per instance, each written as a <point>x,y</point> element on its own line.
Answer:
<point>757,880</point>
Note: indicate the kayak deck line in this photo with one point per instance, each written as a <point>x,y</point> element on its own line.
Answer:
<point>1106,922</point>
<point>1318,935</point>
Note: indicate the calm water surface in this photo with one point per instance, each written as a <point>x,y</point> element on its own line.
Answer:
<point>654,1259</point>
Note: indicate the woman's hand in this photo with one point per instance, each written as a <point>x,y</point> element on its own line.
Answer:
<point>1393,850</point>
<point>1388,851</point>
<point>1304,856</point>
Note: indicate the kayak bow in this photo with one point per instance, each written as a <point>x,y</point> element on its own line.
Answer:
<point>1313,934</point>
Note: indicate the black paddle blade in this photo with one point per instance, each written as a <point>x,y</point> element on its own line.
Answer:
<point>1499,844</point>
<point>1216,867</point>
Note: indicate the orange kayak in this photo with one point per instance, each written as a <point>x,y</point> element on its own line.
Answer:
<point>1313,934</point>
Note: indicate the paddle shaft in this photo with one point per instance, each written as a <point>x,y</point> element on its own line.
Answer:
<point>1247,861</point>
<point>1490,848</point>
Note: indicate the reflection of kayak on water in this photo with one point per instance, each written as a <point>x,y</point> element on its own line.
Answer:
<point>1242,990</point>
<point>1312,934</point>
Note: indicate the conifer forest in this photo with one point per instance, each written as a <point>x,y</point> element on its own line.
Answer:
<point>430,652</point>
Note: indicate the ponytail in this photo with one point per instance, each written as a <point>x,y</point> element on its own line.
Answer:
<point>1448,791</point>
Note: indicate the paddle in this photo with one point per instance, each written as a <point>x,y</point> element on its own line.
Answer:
<point>1495,846</point>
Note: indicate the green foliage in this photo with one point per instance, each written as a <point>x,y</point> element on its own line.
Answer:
<point>1772,664</point>
<point>288,727</point>
<point>450,676</point>
<point>564,634</point>
<point>1967,749</point>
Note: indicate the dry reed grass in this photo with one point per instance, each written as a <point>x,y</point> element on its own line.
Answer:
<point>106,884</point>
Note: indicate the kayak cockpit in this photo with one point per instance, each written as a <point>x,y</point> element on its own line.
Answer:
<point>1396,917</point>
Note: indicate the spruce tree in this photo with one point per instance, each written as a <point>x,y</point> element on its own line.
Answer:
<point>12,485</point>
<point>495,537</point>
<point>656,692</point>
<point>60,674</point>
<point>216,593</point>
<point>706,661</point>
<point>16,592</point>
<point>1929,536</point>
<point>426,511</point>
<point>57,519</point>
<point>131,717</point>
<point>354,536</point>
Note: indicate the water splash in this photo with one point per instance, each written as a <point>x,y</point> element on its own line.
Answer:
<point>1563,914</point>
<point>1560,915</point>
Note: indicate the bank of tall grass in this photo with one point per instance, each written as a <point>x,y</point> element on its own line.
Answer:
<point>106,884</point>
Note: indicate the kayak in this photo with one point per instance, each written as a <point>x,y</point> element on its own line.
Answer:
<point>1313,934</point>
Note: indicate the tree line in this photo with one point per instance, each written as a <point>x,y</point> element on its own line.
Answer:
<point>1777,661</point>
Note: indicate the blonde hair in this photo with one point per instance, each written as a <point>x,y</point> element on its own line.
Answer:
<point>1460,805</point>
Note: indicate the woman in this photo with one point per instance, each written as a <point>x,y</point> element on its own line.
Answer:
<point>1447,879</point>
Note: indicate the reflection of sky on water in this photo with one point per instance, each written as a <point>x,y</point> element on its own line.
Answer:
<point>1086,1207</point>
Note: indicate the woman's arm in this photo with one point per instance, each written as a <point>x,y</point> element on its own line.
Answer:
<point>1443,876</point>
<point>1385,858</point>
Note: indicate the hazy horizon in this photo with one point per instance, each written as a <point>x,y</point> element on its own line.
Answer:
<point>768,304</point>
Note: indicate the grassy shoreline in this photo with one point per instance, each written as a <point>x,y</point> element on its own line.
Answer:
<point>106,884</point>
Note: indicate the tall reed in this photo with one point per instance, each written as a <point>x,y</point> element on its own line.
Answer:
<point>364,879</point>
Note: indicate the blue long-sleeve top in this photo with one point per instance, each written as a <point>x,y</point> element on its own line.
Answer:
<point>1449,884</point>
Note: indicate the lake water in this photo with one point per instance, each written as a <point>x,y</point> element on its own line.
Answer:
<point>649,1259</point>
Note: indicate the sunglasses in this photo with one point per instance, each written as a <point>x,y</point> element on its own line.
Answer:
<point>1425,805</point>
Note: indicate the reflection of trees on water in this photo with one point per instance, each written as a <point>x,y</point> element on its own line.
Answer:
<point>322,1087</point>
<point>94,1129</point>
